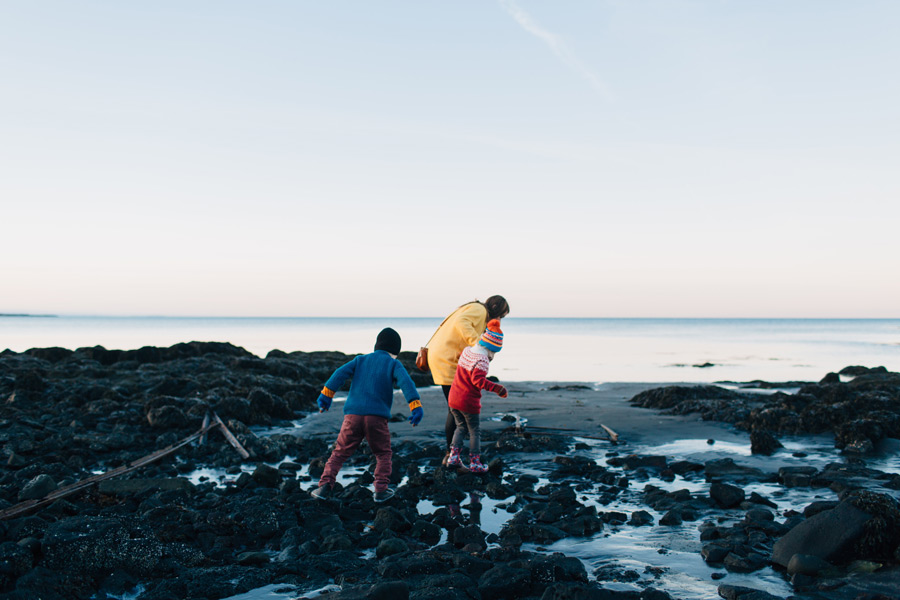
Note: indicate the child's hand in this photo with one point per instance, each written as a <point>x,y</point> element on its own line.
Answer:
<point>416,417</point>
<point>502,392</point>
<point>324,403</point>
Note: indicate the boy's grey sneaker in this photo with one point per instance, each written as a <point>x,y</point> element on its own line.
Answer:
<point>323,492</point>
<point>383,496</point>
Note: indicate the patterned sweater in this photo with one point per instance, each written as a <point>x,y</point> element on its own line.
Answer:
<point>372,390</point>
<point>470,379</point>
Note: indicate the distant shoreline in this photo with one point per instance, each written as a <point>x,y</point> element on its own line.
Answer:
<point>25,315</point>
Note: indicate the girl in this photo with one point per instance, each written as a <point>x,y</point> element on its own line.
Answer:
<point>465,395</point>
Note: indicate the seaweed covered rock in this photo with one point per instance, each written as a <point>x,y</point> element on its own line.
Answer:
<point>864,526</point>
<point>859,412</point>
<point>684,399</point>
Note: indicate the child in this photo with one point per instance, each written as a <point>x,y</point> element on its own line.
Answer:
<point>367,409</point>
<point>465,394</point>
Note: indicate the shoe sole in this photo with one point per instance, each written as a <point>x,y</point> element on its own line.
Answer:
<point>324,498</point>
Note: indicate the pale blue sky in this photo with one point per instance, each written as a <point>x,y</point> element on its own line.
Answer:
<point>609,158</point>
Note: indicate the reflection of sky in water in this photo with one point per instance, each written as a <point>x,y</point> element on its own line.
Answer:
<point>489,517</point>
<point>133,594</point>
<point>281,591</point>
<point>347,474</point>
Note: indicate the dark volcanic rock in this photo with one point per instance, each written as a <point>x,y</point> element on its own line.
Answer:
<point>720,469</point>
<point>828,535</point>
<point>796,476</point>
<point>504,582</point>
<point>640,518</point>
<point>683,398</point>
<point>37,488</point>
<point>807,564</point>
<point>168,417</point>
<point>859,412</point>
<point>736,592</point>
<point>94,546</point>
<point>726,495</point>
<point>763,442</point>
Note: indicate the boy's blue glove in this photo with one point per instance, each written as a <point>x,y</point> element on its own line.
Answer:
<point>324,403</point>
<point>417,413</point>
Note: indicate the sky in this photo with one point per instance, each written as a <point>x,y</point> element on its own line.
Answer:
<point>611,158</point>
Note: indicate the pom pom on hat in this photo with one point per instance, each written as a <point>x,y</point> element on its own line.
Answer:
<point>492,338</point>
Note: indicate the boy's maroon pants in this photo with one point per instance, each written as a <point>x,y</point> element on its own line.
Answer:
<point>354,428</point>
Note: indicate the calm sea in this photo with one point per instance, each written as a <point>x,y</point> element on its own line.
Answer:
<point>588,350</point>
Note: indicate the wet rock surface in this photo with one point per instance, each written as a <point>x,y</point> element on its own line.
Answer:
<point>65,415</point>
<point>859,412</point>
<point>826,548</point>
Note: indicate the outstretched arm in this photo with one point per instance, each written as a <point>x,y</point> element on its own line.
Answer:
<point>479,378</point>
<point>334,383</point>
<point>406,385</point>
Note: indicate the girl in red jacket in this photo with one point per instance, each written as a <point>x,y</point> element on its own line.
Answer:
<point>465,395</point>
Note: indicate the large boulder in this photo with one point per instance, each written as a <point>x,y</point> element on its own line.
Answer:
<point>828,535</point>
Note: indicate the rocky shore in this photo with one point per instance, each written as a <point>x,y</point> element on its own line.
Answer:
<point>161,532</point>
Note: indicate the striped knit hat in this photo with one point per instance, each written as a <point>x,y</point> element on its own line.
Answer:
<point>492,338</point>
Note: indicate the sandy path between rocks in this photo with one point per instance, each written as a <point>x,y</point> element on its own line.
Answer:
<point>578,407</point>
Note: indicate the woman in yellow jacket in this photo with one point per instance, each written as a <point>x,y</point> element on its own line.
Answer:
<point>461,329</point>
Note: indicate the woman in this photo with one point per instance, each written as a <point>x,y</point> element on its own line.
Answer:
<point>461,329</point>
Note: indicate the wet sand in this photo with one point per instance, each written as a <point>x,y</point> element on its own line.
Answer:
<point>579,408</point>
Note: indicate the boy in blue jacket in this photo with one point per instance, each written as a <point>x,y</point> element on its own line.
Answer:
<point>367,410</point>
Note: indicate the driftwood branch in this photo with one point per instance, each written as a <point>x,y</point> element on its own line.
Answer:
<point>209,423</point>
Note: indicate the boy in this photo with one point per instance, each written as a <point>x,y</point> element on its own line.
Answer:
<point>367,410</point>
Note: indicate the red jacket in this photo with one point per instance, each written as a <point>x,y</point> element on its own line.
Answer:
<point>470,379</point>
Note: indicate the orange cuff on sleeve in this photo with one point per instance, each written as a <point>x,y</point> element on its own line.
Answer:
<point>415,404</point>
<point>327,392</point>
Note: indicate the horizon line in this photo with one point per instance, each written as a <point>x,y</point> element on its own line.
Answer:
<point>158,316</point>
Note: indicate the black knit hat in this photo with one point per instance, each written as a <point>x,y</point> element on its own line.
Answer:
<point>388,340</point>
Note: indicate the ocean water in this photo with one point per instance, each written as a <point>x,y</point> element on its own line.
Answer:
<point>584,350</point>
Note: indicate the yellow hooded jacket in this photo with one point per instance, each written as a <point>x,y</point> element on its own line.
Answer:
<point>462,329</point>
